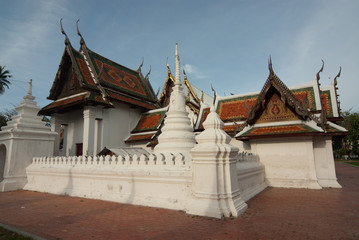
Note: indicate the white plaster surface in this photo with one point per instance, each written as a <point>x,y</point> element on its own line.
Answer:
<point>154,180</point>
<point>215,188</point>
<point>298,162</point>
<point>24,136</point>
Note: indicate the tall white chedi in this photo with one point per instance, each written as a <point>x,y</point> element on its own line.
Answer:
<point>24,137</point>
<point>177,133</point>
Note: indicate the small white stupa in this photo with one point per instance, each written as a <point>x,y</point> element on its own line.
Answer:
<point>177,133</point>
<point>25,136</point>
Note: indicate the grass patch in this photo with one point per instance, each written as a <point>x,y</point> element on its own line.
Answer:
<point>353,163</point>
<point>340,159</point>
<point>9,235</point>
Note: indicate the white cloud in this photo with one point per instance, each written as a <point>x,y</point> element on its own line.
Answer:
<point>194,72</point>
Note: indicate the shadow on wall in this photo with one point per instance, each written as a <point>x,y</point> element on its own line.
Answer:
<point>2,161</point>
<point>69,188</point>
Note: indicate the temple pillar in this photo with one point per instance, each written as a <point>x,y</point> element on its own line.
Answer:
<point>89,114</point>
<point>56,127</point>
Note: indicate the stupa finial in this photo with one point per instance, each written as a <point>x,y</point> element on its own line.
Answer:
<point>29,91</point>
<point>178,76</point>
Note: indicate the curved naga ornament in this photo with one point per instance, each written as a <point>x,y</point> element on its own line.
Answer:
<point>67,41</point>
<point>215,95</point>
<point>336,88</point>
<point>146,77</point>
<point>139,67</point>
<point>82,41</point>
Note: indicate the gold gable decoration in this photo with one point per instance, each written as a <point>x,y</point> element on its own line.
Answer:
<point>276,111</point>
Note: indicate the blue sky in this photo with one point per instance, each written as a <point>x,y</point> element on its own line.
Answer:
<point>223,43</point>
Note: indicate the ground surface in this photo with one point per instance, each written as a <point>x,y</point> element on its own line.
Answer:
<point>276,213</point>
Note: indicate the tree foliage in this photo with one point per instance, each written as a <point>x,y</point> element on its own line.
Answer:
<point>4,79</point>
<point>6,116</point>
<point>351,123</point>
<point>349,144</point>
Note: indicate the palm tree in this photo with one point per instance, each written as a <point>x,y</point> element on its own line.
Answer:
<point>4,79</point>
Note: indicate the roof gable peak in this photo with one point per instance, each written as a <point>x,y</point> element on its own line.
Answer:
<point>286,96</point>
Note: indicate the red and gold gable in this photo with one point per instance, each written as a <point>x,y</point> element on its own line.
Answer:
<point>276,111</point>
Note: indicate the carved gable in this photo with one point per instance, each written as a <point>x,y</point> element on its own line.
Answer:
<point>276,111</point>
<point>70,84</point>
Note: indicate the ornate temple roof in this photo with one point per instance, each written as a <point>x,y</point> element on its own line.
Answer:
<point>86,71</point>
<point>194,95</point>
<point>277,106</point>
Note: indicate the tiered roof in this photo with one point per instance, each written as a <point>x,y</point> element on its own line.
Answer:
<point>98,80</point>
<point>253,114</point>
<point>280,111</point>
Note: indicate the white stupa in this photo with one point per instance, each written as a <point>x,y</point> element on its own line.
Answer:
<point>177,133</point>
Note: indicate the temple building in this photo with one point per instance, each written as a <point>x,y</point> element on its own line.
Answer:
<point>113,138</point>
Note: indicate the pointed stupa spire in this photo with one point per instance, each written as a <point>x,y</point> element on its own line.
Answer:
<point>29,96</point>
<point>29,91</point>
<point>178,72</point>
<point>177,133</point>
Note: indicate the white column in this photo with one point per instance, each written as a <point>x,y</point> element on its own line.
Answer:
<point>55,127</point>
<point>98,136</point>
<point>89,129</point>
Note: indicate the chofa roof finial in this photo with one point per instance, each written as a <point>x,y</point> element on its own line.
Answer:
<point>148,73</point>
<point>82,41</point>
<point>139,67</point>
<point>67,41</point>
<point>338,75</point>
<point>215,94</point>
<point>321,70</point>
<point>184,73</point>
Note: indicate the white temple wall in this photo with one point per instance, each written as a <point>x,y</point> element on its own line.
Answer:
<point>242,146</point>
<point>117,123</point>
<point>106,127</point>
<point>324,162</point>
<point>16,151</point>
<point>251,176</point>
<point>74,131</point>
<point>73,122</point>
<point>134,180</point>
<point>288,162</point>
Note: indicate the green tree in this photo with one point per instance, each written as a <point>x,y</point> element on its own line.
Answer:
<point>5,116</point>
<point>351,123</point>
<point>4,79</point>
